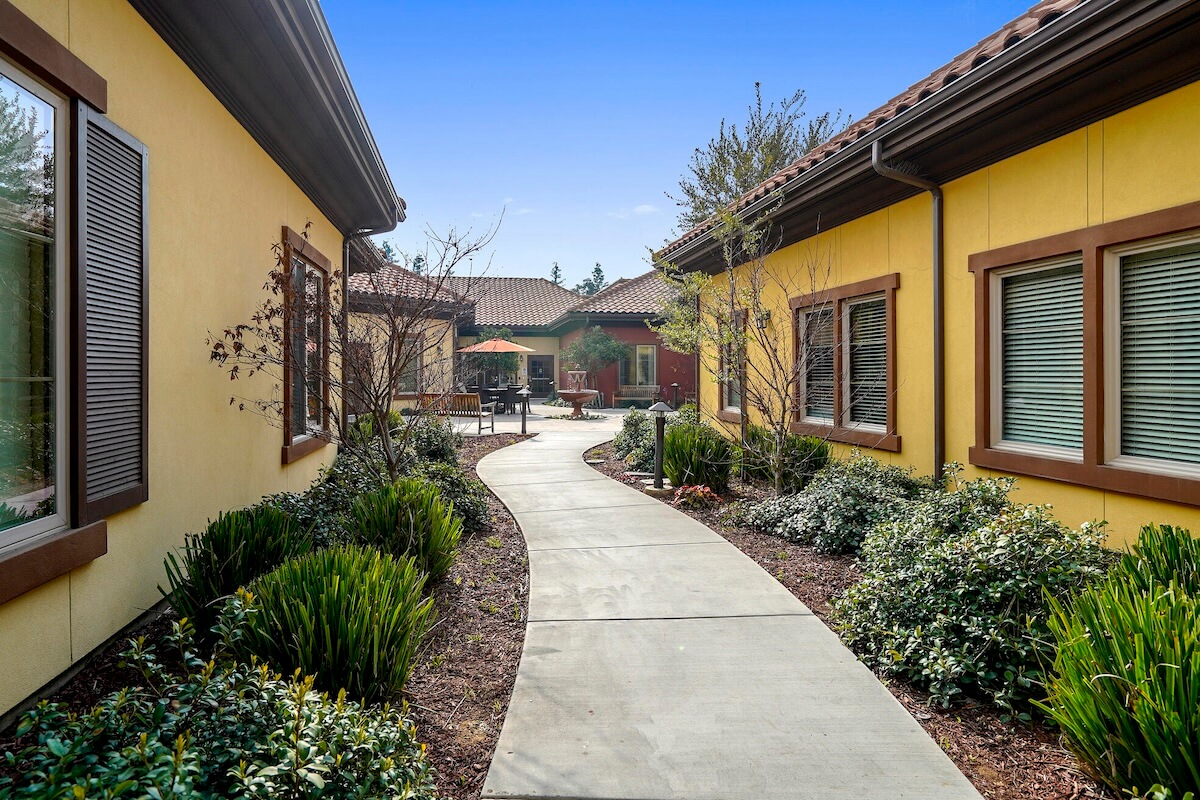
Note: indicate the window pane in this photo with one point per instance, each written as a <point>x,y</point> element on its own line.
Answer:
<point>818,364</point>
<point>1160,354</point>
<point>27,314</point>
<point>733,383</point>
<point>410,365</point>
<point>625,369</point>
<point>314,346</point>
<point>868,363</point>
<point>646,375</point>
<point>1042,360</point>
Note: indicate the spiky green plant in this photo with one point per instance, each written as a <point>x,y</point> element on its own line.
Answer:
<point>696,455</point>
<point>410,518</point>
<point>234,549</point>
<point>350,616</point>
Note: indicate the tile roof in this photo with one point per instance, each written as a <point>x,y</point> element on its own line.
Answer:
<point>641,295</point>
<point>398,282</point>
<point>508,302</point>
<point>1033,20</point>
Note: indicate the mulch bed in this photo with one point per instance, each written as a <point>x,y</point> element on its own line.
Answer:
<point>1004,760</point>
<point>459,690</point>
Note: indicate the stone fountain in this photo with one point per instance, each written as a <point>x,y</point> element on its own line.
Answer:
<point>577,393</point>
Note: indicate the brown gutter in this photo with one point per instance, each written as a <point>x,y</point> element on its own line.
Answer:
<point>939,325</point>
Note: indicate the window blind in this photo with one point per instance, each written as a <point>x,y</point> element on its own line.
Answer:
<point>1160,354</point>
<point>818,364</point>
<point>866,381</point>
<point>1042,357</point>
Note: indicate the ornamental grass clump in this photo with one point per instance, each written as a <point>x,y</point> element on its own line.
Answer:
<point>952,594</point>
<point>696,455</point>
<point>409,518</point>
<point>842,503</point>
<point>216,729</point>
<point>1125,687</point>
<point>351,617</point>
<point>234,549</point>
<point>803,457</point>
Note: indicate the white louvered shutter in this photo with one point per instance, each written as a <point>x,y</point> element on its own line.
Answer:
<point>867,390</point>
<point>1042,357</point>
<point>111,286</point>
<point>819,342</point>
<point>1160,354</point>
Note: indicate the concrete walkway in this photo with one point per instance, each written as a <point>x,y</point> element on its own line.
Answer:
<point>662,663</point>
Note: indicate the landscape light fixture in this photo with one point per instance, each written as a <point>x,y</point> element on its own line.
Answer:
<point>524,393</point>
<point>660,410</point>
<point>675,395</point>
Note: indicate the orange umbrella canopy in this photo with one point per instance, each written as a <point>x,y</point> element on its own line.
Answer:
<point>496,346</point>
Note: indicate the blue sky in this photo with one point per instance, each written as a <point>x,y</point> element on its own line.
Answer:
<point>575,118</point>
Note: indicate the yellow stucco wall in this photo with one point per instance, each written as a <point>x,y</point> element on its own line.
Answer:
<point>217,203</point>
<point>1144,159</point>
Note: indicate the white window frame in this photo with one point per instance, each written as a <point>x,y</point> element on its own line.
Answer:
<point>1111,339</point>
<point>637,356</point>
<point>996,358</point>
<point>59,520</point>
<point>843,380</point>
<point>802,327</point>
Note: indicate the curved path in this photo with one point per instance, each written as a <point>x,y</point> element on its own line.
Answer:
<point>661,663</point>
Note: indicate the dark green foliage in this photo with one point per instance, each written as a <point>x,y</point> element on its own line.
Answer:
<point>635,442</point>
<point>1126,682</point>
<point>225,730</point>
<point>432,438</point>
<point>409,518</point>
<point>235,548</point>
<point>803,457</point>
<point>594,350</point>
<point>841,504</point>
<point>468,495</point>
<point>351,617</point>
<point>324,507</point>
<point>951,597</point>
<point>364,426</point>
<point>697,455</point>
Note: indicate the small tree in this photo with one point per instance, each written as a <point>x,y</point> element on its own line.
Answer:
<point>498,363</point>
<point>593,351</point>
<point>593,285</point>
<point>394,337</point>
<point>556,276</point>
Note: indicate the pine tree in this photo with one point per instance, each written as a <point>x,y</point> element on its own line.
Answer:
<point>556,275</point>
<point>594,284</point>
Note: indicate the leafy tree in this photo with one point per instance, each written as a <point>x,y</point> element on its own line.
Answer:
<point>26,168</point>
<point>389,253</point>
<point>556,275</point>
<point>498,363</point>
<point>418,265</point>
<point>738,159</point>
<point>593,351</point>
<point>596,283</point>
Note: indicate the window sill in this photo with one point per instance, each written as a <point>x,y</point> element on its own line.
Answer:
<point>1108,477</point>
<point>302,446</point>
<point>28,565</point>
<point>730,415</point>
<point>874,440</point>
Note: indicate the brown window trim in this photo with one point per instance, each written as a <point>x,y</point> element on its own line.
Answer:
<point>725,412</point>
<point>34,50</point>
<point>296,447</point>
<point>837,296</point>
<point>1090,243</point>
<point>41,559</point>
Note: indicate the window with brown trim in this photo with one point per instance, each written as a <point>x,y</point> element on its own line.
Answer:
<point>306,349</point>
<point>845,350</point>
<point>1088,354</point>
<point>410,357</point>
<point>730,386</point>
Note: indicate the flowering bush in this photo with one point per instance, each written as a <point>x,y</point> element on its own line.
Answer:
<point>952,593</point>
<point>696,497</point>
<point>841,504</point>
<point>220,729</point>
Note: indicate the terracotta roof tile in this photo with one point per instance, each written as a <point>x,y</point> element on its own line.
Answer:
<point>398,282</point>
<point>507,302</point>
<point>1036,18</point>
<point>641,295</point>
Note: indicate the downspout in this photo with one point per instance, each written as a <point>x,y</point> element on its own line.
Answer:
<point>939,353</point>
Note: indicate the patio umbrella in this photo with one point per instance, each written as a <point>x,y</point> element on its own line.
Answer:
<point>495,346</point>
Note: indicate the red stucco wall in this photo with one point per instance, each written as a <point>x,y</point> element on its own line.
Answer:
<point>672,367</point>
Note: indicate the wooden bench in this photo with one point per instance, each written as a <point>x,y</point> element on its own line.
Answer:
<point>460,404</point>
<point>638,393</point>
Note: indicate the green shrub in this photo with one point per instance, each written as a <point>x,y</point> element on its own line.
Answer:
<point>841,504</point>
<point>219,730</point>
<point>432,438</point>
<point>234,549</point>
<point>697,455</point>
<point>364,426</point>
<point>324,507</point>
<point>409,518</point>
<point>468,495</point>
<point>351,617</point>
<point>951,597</point>
<point>803,457</point>
<point>1126,681</point>
<point>634,444</point>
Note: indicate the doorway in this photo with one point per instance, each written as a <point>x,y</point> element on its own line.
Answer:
<point>541,375</point>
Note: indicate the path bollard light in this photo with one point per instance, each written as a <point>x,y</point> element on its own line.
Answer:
<point>524,395</point>
<point>675,395</point>
<point>660,410</point>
